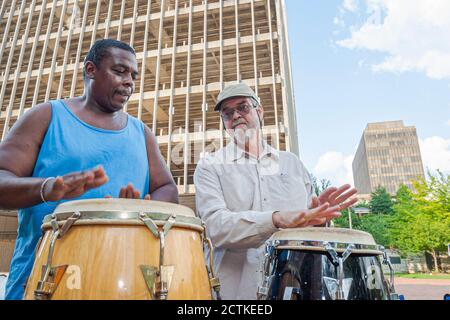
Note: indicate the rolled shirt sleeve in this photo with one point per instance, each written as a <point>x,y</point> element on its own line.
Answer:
<point>228,229</point>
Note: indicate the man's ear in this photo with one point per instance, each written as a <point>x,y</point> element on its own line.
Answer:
<point>260,111</point>
<point>90,69</point>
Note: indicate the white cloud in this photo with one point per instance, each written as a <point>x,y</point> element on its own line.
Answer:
<point>339,22</point>
<point>435,153</point>
<point>414,34</point>
<point>335,167</point>
<point>350,5</point>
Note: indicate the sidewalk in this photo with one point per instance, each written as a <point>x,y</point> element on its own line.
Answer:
<point>422,289</point>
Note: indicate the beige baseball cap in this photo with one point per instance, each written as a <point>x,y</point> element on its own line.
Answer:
<point>235,90</point>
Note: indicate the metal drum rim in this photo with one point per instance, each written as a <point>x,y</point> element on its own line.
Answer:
<point>121,217</point>
<point>314,245</point>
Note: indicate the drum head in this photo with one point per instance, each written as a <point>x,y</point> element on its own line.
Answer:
<point>316,238</point>
<point>120,205</point>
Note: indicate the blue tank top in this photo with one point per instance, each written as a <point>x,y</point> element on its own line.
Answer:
<point>71,145</point>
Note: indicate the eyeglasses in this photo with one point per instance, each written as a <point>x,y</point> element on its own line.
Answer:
<point>242,109</point>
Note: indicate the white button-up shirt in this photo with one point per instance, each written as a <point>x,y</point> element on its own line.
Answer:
<point>236,195</point>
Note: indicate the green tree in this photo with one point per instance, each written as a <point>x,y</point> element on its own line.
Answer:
<point>439,191</point>
<point>377,225</point>
<point>320,186</point>
<point>381,201</point>
<point>363,204</point>
<point>421,221</point>
<point>343,221</point>
<point>404,212</point>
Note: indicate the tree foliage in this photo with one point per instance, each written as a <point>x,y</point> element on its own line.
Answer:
<point>343,220</point>
<point>416,221</point>
<point>381,201</point>
<point>320,186</point>
<point>421,219</point>
<point>378,226</point>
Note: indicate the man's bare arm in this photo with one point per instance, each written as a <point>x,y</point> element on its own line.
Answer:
<point>18,154</point>
<point>162,185</point>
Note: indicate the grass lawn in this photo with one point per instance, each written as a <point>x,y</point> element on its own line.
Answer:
<point>445,276</point>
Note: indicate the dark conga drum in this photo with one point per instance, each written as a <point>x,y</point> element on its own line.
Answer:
<point>325,264</point>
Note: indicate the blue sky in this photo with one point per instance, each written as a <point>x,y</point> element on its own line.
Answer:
<point>355,63</point>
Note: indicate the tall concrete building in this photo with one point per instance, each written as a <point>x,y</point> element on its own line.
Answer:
<point>388,155</point>
<point>187,51</point>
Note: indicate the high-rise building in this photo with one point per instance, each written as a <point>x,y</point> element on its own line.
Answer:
<point>187,51</point>
<point>388,155</point>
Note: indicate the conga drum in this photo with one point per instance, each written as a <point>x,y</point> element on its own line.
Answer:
<point>121,249</point>
<point>324,264</point>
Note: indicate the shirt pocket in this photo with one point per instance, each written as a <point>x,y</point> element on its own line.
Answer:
<point>289,191</point>
<point>238,191</point>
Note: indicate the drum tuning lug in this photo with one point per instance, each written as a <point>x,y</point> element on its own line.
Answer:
<point>68,224</point>
<point>348,252</point>
<point>387,261</point>
<point>163,286</point>
<point>215,284</point>
<point>51,277</point>
<point>263,291</point>
<point>151,225</point>
<point>54,224</point>
<point>158,282</point>
<point>150,273</point>
<point>170,222</point>
<point>332,252</point>
<point>213,281</point>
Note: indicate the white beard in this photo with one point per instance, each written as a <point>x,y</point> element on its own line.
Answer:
<point>243,136</point>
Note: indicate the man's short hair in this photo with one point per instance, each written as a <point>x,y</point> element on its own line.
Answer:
<point>100,50</point>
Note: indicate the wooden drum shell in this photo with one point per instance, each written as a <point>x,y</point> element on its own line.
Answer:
<point>104,262</point>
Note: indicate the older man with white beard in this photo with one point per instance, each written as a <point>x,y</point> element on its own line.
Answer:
<point>247,191</point>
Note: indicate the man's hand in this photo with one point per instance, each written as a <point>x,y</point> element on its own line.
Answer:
<point>74,184</point>
<point>305,218</point>
<point>129,192</point>
<point>336,197</point>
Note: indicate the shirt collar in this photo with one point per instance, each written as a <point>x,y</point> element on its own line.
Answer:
<point>234,152</point>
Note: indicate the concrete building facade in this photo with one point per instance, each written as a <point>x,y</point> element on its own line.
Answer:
<point>187,51</point>
<point>388,155</point>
